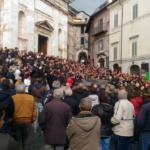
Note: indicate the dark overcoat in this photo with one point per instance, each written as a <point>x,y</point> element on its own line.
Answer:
<point>54,119</point>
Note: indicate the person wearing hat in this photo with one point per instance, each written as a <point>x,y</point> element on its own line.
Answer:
<point>143,123</point>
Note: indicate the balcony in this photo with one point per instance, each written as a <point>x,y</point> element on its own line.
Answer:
<point>99,29</point>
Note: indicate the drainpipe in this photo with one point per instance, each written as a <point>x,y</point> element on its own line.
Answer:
<point>121,33</point>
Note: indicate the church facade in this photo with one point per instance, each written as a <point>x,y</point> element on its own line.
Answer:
<point>35,25</point>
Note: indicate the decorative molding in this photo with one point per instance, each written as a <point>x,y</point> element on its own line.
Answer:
<point>115,43</point>
<point>55,5</point>
<point>133,37</point>
<point>45,25</point>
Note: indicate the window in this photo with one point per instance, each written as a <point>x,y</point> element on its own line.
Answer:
<point>115,53</point>
<point>22,23</point>
<point>100,24</point>
<point>101,45</point>
<point>116,20</point>
<point>135,11</point>
<point>82,40</point>
<point>134,49</point>
<point>82,29</point>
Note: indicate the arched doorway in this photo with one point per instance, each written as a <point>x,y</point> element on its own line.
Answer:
<point>102,62</point>
<point>134,69</point>
<point>82,57</point>
<point>116,67</point>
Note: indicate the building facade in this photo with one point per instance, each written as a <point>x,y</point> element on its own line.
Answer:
<point>77,38</point>
<point>129,36</point>
<point>98,29</point>
<point>36,25</point>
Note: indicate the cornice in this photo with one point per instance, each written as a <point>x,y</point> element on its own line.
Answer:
<point>53,3</point>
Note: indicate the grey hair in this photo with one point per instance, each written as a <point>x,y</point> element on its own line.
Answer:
<point>20,88</point>
<point>122,94</point>
<point>58,93</point>
<point>85,104</point>
<point>11,81</point>
<point>68,92</point>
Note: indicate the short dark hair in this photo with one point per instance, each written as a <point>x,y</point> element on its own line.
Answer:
<point>1,111</point>
<point>103,98</point>
<point>93,90</point>
<point>6,84</point>
<point>40,80</point>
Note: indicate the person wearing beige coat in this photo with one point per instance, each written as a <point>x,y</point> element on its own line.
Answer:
<point>122,121</point>
<point>83,130</point>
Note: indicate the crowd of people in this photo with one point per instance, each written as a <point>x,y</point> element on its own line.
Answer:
<point>47,94</point>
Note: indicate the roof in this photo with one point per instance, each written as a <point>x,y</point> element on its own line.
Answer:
<point>84,13</point>
<point>99,9</point>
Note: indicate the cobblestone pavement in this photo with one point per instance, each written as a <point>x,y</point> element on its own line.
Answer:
<point>36,142</point>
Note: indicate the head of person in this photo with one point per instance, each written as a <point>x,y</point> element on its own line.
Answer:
<point>85,104</point>
<point>58,93</point>
<point>19,79</point>
<point>147,94</point>
<point>56,84</point>
<point>11,82</point>
<point>39,80</point>
<point>6,84</point>
<point>122,94</point>
<point>1,68</point>
<point>103,98</point>
<point>20,88</point>
<point>80,85</point>
<point>2,113</point>
<point>93,90</point>
<point>68,92</point>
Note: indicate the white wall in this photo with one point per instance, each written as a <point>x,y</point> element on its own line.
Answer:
<point>138,27</point>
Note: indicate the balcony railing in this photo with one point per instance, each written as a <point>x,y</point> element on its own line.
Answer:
<point>99,29</point>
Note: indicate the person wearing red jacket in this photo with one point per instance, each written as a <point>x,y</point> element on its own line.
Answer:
<point>137,103</point>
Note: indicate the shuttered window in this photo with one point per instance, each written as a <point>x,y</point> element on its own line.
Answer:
<point>135,11</point>
<point>82,40</point>
<point>134,49</point>
<point>101,45</point>
<point>116,20</point>
<point>101,24</point>
<point>115,53</point>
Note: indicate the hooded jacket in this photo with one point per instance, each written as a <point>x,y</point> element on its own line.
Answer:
<point>94,98</point>
<point>7,101</point>
<point>80,93</point>
<point>83,132</point>
<point>104,111</point>
<point>38,92</point>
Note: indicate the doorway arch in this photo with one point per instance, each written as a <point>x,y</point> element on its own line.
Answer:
<point>116,67</point>
<point>135,69</point>
<point>82,57</point>
<point>102,62</point>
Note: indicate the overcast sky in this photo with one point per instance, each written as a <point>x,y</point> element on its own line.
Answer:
<point>88,6</point>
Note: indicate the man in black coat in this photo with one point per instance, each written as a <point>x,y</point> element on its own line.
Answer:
<point>53,120</point>
<point>69,99</point>
<point>80,92</point>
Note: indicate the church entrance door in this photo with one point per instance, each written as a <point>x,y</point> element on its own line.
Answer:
<point>42,44</point>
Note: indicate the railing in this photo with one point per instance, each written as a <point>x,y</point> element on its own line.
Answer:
<point>99,29</point>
